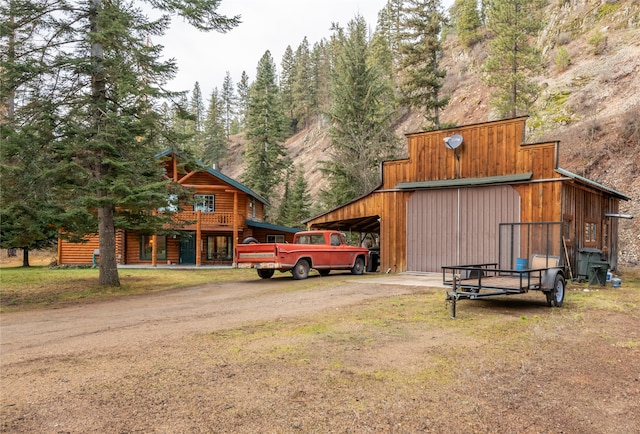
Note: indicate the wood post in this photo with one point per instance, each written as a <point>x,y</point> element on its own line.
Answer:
<point>198,238</point>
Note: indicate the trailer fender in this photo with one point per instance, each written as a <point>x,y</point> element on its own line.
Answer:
<point>549,278</point>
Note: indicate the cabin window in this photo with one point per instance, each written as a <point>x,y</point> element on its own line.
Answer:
<point>204,202</point>
<point>172,204</point>
<point>219,247</point>
<point>275,238</point>
<point>146,247</point>
<point>590,234</point>
<point>605,236</point>
<point>252,208</point>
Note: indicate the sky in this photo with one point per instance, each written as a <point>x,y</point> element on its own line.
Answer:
<point>271,25</point>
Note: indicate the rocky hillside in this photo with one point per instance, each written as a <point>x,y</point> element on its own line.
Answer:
<point>590,102</point>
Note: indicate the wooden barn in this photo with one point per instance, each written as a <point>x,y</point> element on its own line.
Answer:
<point>444,204</point>
<point>223,212</point>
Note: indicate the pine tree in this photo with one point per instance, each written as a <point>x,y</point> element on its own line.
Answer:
<point>320,72</point>
<point>102,79</point>
<point>265,157</point>
<point>301,88</point>
<point>466,17</point>
<point>286,83</point>
<point>511,59</point>
<point>389,27</point>
<point>229,100</point>
<point>197,113</point>
<point>360,119</point>
<point>300,200</point>
<point>284,209</point>
<point>28,212</point>
<point>421,50</point>
<point>243,98</point>
<point>215,137</point>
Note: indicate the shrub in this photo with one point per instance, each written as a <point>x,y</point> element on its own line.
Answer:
<point>630,125</point>
<point>564,38</point>
<point>598,41</point>
<point>562,59</point>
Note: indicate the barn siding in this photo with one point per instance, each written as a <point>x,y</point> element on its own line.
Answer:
<point>581,205</point>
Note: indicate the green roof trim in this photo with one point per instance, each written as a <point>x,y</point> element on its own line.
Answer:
<point>465,182</point>
<point>591,183</point>
<point>263,225</point>
<point>221,176</point>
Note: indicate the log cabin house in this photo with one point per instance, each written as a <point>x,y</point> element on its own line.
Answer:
<point>443,205</point>
<point>224,212</point>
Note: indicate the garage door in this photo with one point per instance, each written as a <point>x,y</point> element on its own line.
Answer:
<point>457,226</point>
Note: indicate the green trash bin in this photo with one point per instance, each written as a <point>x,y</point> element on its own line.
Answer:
<point>586,256</point>
<point>598,272</point>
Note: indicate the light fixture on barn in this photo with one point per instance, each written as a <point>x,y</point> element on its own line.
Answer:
<point>453,143</point>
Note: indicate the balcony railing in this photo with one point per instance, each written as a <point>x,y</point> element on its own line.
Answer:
<point>207,219</point>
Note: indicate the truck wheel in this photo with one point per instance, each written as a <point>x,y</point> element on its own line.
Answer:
<point>265,273</point>
<point>250,240</point>
<point>324,272</point>
<point>555,297</point>
<point>358,266</point>
<point>301,270</point>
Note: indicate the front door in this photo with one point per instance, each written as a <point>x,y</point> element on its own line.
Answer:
<point>187,248</point>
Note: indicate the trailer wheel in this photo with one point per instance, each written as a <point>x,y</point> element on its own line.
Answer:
<point>250,240</point>
<point>358,266</point>
<point>301,270</point>
<point>555,297</point>
<point>265,273</point>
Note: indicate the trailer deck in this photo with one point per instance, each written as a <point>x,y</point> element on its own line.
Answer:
<point>542,272</point>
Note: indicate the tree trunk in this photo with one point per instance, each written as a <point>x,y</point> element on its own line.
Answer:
<point>25,257</point>
<point>108,263</point>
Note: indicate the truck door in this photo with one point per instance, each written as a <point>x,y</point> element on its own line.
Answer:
<point>339,256</point>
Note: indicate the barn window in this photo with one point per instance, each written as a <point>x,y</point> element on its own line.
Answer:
<point>590,234</point>
<point>275,238</point>
<point>567,223</point>
<point>146,247</point>
<point>204,202</point>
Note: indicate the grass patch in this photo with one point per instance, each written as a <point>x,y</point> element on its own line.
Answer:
<point>42,287</point>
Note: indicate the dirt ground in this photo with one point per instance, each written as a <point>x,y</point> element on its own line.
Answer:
<point>335,354</point>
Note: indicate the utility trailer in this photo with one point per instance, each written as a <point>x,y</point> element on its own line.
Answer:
<point>530,258</point>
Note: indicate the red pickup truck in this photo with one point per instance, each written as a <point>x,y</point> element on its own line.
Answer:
<point>321,250</point>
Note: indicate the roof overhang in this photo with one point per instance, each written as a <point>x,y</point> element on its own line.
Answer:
<point>465,182</point>
<point>366,224</point>
<point>590,183</point>
<point>272,227</point>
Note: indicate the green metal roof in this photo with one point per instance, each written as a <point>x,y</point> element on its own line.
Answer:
<point>464,182</point>
<point>220,176</point>
<point>591,183</point>
<point>263,225</point>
